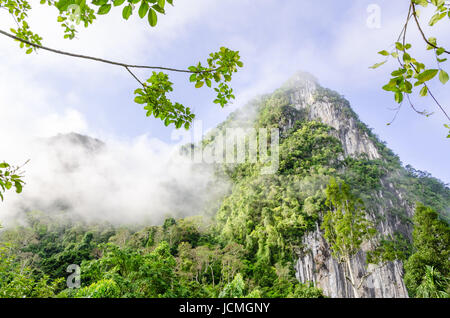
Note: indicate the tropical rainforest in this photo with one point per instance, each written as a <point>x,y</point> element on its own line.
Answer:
<point>248,246</point>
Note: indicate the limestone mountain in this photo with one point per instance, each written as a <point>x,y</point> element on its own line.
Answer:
<point>389,190</point>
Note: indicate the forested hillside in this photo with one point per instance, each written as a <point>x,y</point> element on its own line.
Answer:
<point>341,217</point>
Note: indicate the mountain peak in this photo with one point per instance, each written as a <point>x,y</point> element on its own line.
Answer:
<point>75,139</point>
<point>301,79</point>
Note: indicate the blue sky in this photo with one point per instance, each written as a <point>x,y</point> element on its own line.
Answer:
<point>43,94</point>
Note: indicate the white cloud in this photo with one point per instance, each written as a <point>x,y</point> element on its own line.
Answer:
<point>52,124</point>
<point>143,180</point>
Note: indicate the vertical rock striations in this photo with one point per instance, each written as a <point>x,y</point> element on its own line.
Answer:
<point>315,262</point>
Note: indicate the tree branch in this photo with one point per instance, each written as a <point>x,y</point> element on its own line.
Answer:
<point>437,103</point>
<point>432,96</point>
<point>403,36</point>
<point>127,66</point>
<point>135,77</point>
<point>420,28</point>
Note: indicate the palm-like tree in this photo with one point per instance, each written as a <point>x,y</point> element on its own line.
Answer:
<point>434,284</point>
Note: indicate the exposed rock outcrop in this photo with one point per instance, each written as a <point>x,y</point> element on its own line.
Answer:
<point>305,93</point>
<point>315,262</point>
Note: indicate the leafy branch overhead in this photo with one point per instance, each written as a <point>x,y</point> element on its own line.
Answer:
<point>218,69</point>
<point>221,66</point>
<point>10,177</point>
<point>77,11</point>
<point>412,74</point>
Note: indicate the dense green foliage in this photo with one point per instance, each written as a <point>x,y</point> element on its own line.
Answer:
<point>181,258</point>
<point>430,191</point>
<point>433,285</point>
<point>17,280</point>
<point>309,147</point>
<point>428,268</point>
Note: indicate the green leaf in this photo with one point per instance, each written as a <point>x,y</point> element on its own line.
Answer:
<point>157,8</point>
<point>127,11</point>
<point>140,100</point>
<point>384,53</point>
<point>406,58</point>
<point>18,186</point>
<point>433,41</point>
<point>193,78</point>
<point>118,2</point>
<point>443,77</point>
<point>427,75</point>
<point>104,9</point>
<point>390,88</point>
<point>440,51</point>
<point>398,97</point>
<point>143,9</point>
<point>435,18</point>
<point>398,72</point>
<point>377,65</point>
<point>199,84</point>
<point>152,17</point>
<point>399,46</point>
<point>424,91</point>
<point>423,3</point>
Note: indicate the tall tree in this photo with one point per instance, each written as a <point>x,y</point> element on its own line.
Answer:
<point>431,242</point>
<point>346,227</point>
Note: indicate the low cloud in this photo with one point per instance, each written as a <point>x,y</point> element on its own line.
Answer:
<point>144,180</point>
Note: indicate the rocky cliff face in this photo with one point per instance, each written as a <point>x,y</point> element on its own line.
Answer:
<point>315,262</point>
<point>331,109</point>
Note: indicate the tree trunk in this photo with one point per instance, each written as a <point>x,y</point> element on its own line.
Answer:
<point>212,275</point>
<point>352,279</point>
